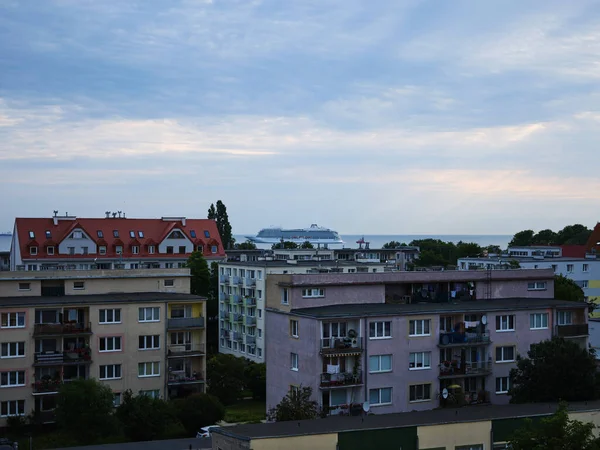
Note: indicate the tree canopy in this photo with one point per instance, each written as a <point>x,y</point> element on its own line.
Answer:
<point>144,418</point>
<point>219,215</point>
<point>556,432</point>
<point>435,252</point>
<point>393,244</point>
<point>541,376</point>
<point>285,245</point>
<point>296,405</point>
<point>567,289</point>
<point>248,245</point>
<point>225,377</point>
<point>256,379</point>
<point>198,410</point>
<point>306,245</point>
<point>571,234</point>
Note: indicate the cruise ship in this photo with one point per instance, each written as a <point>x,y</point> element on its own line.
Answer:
<point>314,234</point>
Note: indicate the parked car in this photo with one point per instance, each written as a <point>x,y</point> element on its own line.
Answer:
<point>205,431</point>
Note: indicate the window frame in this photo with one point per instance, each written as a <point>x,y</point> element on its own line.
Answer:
<point>20,405</point>
<point>154,340</point>
<point>532,321</point>
<point>507,385</point>
<point>500,318</point>
<point>79,285</point>
<point>154,309</point>
<point>154,364</point>
<point>9,354</point>
<point>294,362</point>
<point>379,396</point>
<point>21,379</point>
<point>310,293</point>
<point>380,358</point>
<point>414,387</point>
<point>294,328</point>
<point>8,315</point>
<point>413,328</point>
<point>374,329</point>
<point>114,371</point>
<point>537,286</point>
<point>501,348</point>
<point>417,354</point>
<point>115,312</point>
<point>564,314</point>
<point>106,340</point>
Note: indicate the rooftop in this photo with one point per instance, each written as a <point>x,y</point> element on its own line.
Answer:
<point>507,258</point>
<point>338,424</point>
<point>115,297</point>
<point>391,309</point>
<point>311,263</point>
<point>89,274</point>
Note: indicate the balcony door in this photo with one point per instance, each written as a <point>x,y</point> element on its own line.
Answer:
<point>334,329</point>
<point>181,311</point>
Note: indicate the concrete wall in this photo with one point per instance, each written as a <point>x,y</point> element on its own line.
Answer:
<point>455,434</point>
<point>310,442</point>
<point>338,295</point>
<point>222,442</point>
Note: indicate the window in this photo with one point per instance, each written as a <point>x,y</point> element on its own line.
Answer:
<point>33,250</point>
<point>140,234</point>
<point>505,323</point>
<point>149,369</point>
<point>110,344</point>
<point>502,385</point>
<point>538,321</point>
<point>12,408</point>
<point>182,249</point>
<point>206,234</point>
<point>569,267</point>
<point>193,234</point>
<point>117,399</point>
<point>169,283</point>
<point>259,352</point>
<point>314,292</point>
<point>564,317</point>
<point>119,249</point>
<point>380,363</point>
<point>152,394</point>
<point>149,342</point>
<point>151,249</point>
<point>419,361</point>
<point>135,249</point>
<point>420,392</point>
<point>50,250</point>
<point>102,249</point>
<point>380,330</point>
<point>132,234</point>
<point>149,314</point>
<point>79,285</point>
<point>48,234</point>
<point>285,297</point>
<point>170,250</point>
<point>213,249</point>
<point>505,354</point>
<point>294,361</point>
<point>293,328</point>
<point>77,235</point>
<point>116,233</point>
<point>419,327</point>
<point>536,286</point>
<point>24,286</point>
<point>584,284</point>
<point>12,379</point>
<point>71,250</point>
<point>110,372</point>
<point>31,235</point>
<point>110,316</point>
<point>100,234</point>
<point>381,396</point>
<point>12,350</point>
<point>446,324</point>
<point>12,320</point>
<point>586,267</point>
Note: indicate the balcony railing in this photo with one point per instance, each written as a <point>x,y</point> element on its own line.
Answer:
<point>332,380</point>
<point>237,280</point>
<point>452,369</point>
<point>46,386</point>
<point>581,329</point>
<point>250,339</point>
<point>62,328</point>
<point>224,315</point>
<point>77,356</point>
<point>225,334</point>
<point>238,318</point>
<point>224,278</point>
<point>250,281</point>
<point>185,322</point>
<point>458,398</point>
<point>251,321</point>
<point>341,345</point>
<point>237,336</point>
<point>185,378</point>
<point>237,299</point>
<point>250,301</point>
<point>461,339</point>
<point>223,296</point>
<point>174,350</point>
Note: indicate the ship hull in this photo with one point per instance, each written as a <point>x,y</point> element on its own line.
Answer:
<point>301,240</point>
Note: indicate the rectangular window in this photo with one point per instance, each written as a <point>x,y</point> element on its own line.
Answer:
<point>50,250</point>
<point>24,286</point>
<point>446,324</point>
<point>48,234</point>
<point>294,361</point>
<point>381,396</point>
<point>71,250</point>
<point>119,249</point>
<point>182,249</point>
<point>293,328</point>
<point>100,234</point>
<point>140,234</point>
<point>505,323</point>
<point>12,320</point>
<point>419,327</point>
<point>586,267</point>
<point>564,317</point>
<point>110,344</point>
<point>110,372</point>
<point>213,249</point>
<point>502,385</point>
<point>135,249</point>
<point>12,350</point>
<point>79,285</point>
<point>584,284</point>
<point>538,321</point>
<point>110,316</point>
<point>84,250</point>
<point>380,330</point>
<point>151,249</point>
<point>505,354</point>
<point>117,399</point>
<point>115,233</point>
<point>536,286</point>
<point>169,283</point>
<point>149,369</point>
<point>149,314</point>
<point>285,297</point>
<point>420,392</point>
<point>33,250</point>
<point>313,292</point>
<point>206,234</point>
<point>569,267</point>
<point>132,234</point>
<point>102,249</point>
<point>12,379</point>
<point>151,342</point>
<point>12,408</point>
<point>380,363</point>
<point>152,394</point>
<point>193,234</point>
<point>419,361</point>
<point>31,235</point>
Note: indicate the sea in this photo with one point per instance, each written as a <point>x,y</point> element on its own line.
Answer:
<point>378,240</point>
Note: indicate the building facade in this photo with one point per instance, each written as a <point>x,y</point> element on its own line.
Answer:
<point>132,329</point>
<point>72,243</point>
<point>402,343</point>
<point>5,242</point>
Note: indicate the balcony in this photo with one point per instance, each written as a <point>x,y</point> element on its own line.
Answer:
<point>44,416</point>
<point>453,369</point>
<point>224,279</point>
<point>185,378</point>
<point>189,349</point>
<point>225,334</point>
<point>224,315</point>
<point>576,330</point>
<point>250,282</point>
<point>77,356</point>
<point>457,339</point>
<point>340,380</point>
<point>251,321</point>
<point>237,280</point>
<point>237,336</point>
<point>46,386</point>
<point>185,323</point>
<point>237,299</point>
<point>223,297</point>
<point>341,345</point>
<point>58,329</point>
<point>250,301</point>
<point>238,317</point>
<point>458,398</point>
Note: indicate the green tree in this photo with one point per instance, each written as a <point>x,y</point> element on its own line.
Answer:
<point>541,376</point>
<point>514,264</point>
<point>248,245</point>
<point>85,409</point>
<point>285,245</point>
<point>567,289</point>
<point>144,418</point>
<point>467,249</point>
<point>219,215</point>
<point>435,252</point>
<point>574,235</point>
<point>495,249</point>
<point>256,379</point>
<point>544,237</point>
<point>522,238</point>
<point>428,258</point>
<point>393,244</point>
<point>198,410</point>
<point>225,377</point>
<point>296,405</point>
<point>306,245</point>
<point>556,432</point>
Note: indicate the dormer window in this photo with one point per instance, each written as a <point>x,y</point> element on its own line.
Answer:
<point>200,248</point>
<point>140,234</point>
<point>132,234</point>
<point>193,234</point>
<point>206,234</point>
<point>102,250</point>
<point>151,249</point>
<point>33,251</point>
<point>31,235</point>
<point>119,249</point>
<point>100,233</point>
<point>76,235</point>
<point>48,234</point>
<point>213,249</point>
<point>115,233</point>
<point>135,249</point>
<point>50,250</point>
<point>176,235</point>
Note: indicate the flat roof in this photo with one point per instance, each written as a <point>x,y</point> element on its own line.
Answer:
<point>92,274</point>
<point>169,444</point>
<point>328,263</point>
<point>391,309</point>
<point>336,424</point>
<point>507,258</point>
<point>114,297</point>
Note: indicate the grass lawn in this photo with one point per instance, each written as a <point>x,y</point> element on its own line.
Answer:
<point>245,411</point>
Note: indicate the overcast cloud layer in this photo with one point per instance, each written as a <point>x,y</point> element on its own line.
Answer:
<point>381,116</point>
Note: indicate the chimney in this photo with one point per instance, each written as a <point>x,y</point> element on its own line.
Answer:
<point>183,221</point>
<point>107,213</point>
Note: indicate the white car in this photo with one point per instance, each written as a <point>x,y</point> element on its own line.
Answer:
<point>205,431</point>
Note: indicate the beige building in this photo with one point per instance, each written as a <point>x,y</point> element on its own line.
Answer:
<point>132,329</point>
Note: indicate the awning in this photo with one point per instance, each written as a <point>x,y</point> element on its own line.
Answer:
<point>343,353</point>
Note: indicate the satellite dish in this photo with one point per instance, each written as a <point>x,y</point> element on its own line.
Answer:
<point>445,393</point>
<point>484,320</point>
<point>366,407</point>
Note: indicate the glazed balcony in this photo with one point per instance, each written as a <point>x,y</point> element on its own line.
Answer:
<point>341,380</point>
<point>458,339</point>
<point>453,369</point>
<point>251,321</point>
<point>60,329</point>
<point>236,280</point>
<point>223,297</point>
<point>179,350</point>
<point>341,345</point>
<point>251,340</point>
<point>77,356</point>
<point>224,315</point>
<point>46,386</point>
<point>236,299</point>
<point>176,378</point>
<point>225,334</point>
<point>237,336</point>
<point>183,323</point>
<point>575,330</point>
<point>250,282</point>
<point>224,278</point>
<point>238,317</point>
<point>250,301</point>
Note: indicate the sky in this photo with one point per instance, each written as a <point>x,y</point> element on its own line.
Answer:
<point>368,117</point>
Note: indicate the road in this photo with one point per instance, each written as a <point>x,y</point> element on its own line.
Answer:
<point>172,444</point>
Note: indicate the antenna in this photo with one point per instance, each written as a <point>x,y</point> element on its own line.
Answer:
<point>55,212</point>
<point>114,215</point>
<point>119,212</point>
<point>107,213</point>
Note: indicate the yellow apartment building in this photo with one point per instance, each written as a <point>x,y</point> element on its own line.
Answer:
<point>132,329</point>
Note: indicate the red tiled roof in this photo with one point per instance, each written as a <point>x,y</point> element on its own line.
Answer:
<point>154,231</point>
<point>573,251</point>
<point>594,239</point>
